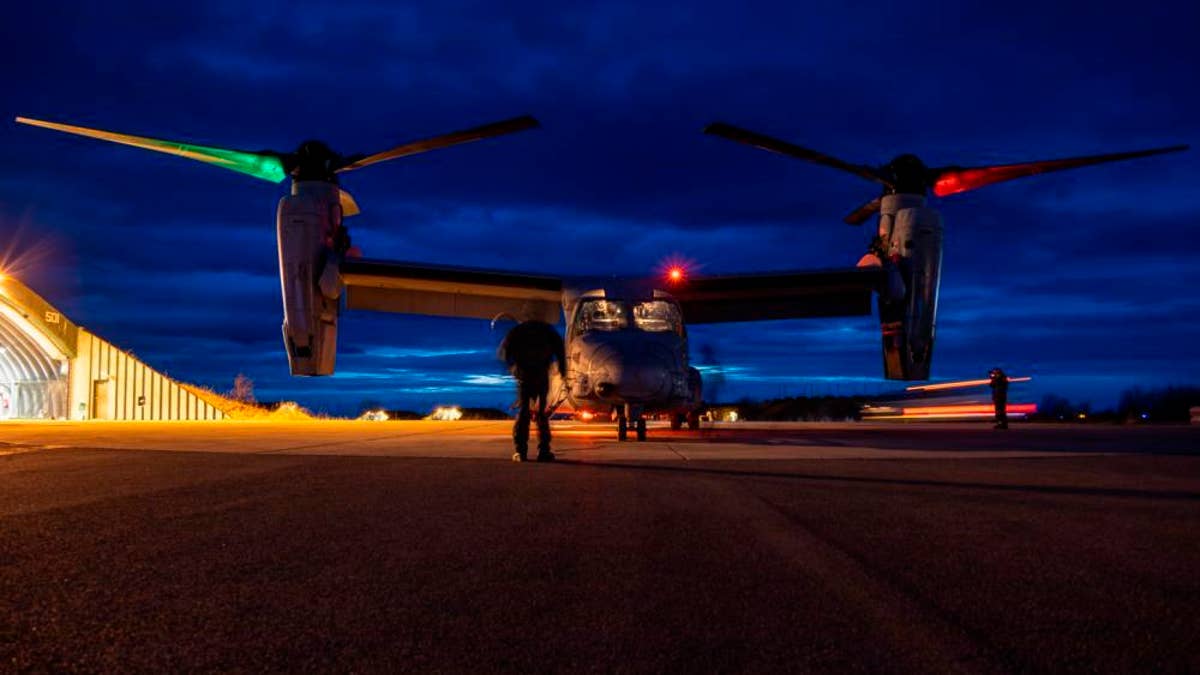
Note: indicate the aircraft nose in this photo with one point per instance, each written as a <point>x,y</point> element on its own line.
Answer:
<point>647,373</point>
<point>644,381</point>
<point>607,368</point>
<point>632,375</point>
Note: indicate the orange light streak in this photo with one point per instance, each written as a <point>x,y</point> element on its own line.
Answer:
<point>967,409</point>
<point>960,384</point>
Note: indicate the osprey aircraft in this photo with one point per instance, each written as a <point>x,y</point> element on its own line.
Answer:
<point>626,338</point>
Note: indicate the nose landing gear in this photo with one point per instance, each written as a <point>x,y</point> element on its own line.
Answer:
<point>628,415</point>
<point>691,418</point>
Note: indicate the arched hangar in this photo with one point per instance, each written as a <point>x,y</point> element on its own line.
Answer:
<point>51,368</point>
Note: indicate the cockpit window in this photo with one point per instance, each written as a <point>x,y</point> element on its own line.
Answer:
<point>605,315</point>
<point>657,316</point>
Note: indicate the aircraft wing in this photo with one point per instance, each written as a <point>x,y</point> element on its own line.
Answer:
<point>786,295</point>
<point>437,290</point>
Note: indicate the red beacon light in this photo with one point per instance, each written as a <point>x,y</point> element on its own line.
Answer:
<point>675,274</point>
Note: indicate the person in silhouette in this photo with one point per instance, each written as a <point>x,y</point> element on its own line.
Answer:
<point>527,350</point>
<point>999,385</point>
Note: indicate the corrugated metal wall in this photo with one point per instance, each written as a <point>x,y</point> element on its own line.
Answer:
<point>124,388</point>
<point>52,369</point>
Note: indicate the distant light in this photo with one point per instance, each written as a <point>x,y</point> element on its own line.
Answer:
<point>586,415</point>
<point>446,413</point>
<point>1083,416</point>
<point>675,275</point>
<point>1145,416</point>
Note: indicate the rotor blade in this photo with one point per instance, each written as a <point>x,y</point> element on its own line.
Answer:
<point>784,148</point>
<point>444,141</point>
<point>349,206</point>
<point>859,216</point>
<point>953,180</point>
<point>264,165</point>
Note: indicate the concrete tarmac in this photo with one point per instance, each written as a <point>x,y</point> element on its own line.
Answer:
<point>354,546</point>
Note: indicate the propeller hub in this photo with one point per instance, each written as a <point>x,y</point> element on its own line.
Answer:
<point>313,160</point>
<point>907,174</point>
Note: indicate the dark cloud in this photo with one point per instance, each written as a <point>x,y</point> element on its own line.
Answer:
<point>177,261</point>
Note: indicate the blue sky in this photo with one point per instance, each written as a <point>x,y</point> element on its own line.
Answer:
<point>1083,279</point>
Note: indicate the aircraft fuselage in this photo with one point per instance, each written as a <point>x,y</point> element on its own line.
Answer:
<point>629,355</point>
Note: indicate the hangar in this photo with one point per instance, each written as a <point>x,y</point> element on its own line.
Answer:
<point>53,369</point>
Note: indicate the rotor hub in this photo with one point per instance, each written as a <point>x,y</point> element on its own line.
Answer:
<point>313,160</point>
<point>907,174</point>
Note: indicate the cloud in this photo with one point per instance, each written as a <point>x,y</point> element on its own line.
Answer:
<point>176,260</point>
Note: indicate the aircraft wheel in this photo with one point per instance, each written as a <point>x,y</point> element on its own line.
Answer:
<point>622,428</point>
<point>641,429</point>
<point>676,422</point>
<point>693,421</point>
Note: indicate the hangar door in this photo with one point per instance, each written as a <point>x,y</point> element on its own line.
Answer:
<point>33,378</point>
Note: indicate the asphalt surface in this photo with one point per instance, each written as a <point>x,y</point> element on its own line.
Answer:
<point>419,546</point>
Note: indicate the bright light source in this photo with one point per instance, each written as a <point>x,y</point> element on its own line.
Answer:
<point>446,413</point>
<point>586,415</point>
<point>675,269</point>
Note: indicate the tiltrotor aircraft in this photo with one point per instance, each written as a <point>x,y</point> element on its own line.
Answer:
<point>626,338</point>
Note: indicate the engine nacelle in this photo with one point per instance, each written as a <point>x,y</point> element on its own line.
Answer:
<point>307,226</point>
<point>908,316</point>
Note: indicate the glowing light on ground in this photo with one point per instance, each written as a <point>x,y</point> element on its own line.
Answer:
<point>446,413</point>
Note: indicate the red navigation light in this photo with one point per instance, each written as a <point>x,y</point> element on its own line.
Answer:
<point>674,269</point>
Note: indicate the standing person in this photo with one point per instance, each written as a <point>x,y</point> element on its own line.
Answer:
<point>999,385</point>
<point>527,350</point>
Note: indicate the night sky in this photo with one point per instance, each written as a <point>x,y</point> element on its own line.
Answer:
<point>1085,279</point>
